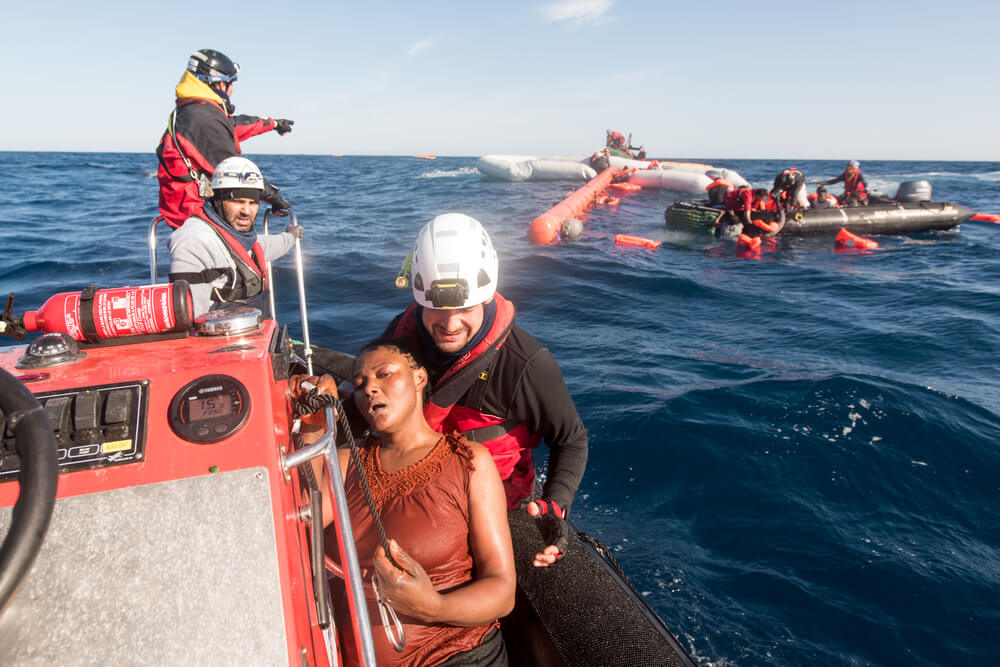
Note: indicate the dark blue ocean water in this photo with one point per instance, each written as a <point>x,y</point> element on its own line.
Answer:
<point>795,458</point>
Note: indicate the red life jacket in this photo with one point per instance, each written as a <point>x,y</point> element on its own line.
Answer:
<point>739,200</point>
<point>510,443</point>
<point>853,184</point>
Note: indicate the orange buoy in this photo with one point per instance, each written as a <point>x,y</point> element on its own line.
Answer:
<point>545,228</point>
<point>626,239</point>
<point>426,157</point>
<point>846,239</point>
<point>338,155</point>
<point>986,217</point>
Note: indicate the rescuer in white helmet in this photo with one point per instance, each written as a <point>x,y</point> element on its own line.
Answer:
<point>489,378</point>
<point>219,253</point>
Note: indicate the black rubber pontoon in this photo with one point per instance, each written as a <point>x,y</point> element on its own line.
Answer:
<point>892,218</point>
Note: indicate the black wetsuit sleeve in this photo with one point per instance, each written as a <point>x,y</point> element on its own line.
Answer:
<point>391,326</point>
<point>834,180</point>
<point>208,134</point>
<point>542,401</point>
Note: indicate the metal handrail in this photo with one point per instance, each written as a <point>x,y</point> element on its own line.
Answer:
<point>152,248</point>
<point>303,312</point>
<point>307,352</point>
<point>326,447</point>
<point>272,310</point>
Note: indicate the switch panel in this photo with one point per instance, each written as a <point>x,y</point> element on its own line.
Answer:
<point>94,427</point>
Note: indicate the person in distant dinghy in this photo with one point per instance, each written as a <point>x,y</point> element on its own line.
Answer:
<point>218,251</point>
<point>855,185</point>
<point>201,132</point>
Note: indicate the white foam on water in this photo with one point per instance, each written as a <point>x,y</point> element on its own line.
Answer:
<point>450,173</point>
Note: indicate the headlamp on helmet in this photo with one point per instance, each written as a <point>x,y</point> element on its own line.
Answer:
<point>454,263</point>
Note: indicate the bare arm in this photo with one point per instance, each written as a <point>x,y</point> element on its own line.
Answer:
<point>490,594</point>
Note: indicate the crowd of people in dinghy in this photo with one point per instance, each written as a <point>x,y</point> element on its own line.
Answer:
<point>759,212</point>
<point>454,396</point>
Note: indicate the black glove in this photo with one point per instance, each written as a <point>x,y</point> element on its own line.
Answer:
<point>296,230</point>
<point>283,126</point>
<point>279,206</point>
<point>552,524</point>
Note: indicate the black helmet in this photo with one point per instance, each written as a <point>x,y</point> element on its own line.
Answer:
<point>211,66</point>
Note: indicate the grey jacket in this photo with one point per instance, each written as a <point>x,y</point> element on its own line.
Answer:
<point>195,246</point>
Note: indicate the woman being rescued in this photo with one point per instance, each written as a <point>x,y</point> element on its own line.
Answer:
<point>442,503</point>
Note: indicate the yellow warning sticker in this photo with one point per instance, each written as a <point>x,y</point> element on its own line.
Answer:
<point>116,446</point>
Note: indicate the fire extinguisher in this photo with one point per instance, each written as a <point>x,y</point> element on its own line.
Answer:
<point>94,315</point>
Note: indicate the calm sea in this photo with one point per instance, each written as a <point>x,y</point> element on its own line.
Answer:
<point>795,458</point>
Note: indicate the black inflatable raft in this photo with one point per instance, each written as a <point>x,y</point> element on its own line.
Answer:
<point>891,218</point>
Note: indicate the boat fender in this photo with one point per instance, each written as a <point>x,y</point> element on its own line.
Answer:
<point>94,315</point>
<point>846,239</point>
<point>570,229</point>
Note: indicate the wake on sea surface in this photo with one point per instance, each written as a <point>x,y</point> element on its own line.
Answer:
<point>794,458</point>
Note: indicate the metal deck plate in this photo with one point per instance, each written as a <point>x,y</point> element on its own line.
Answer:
<point>176,573</point>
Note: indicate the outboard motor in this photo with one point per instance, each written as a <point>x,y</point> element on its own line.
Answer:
<point>913,191</point>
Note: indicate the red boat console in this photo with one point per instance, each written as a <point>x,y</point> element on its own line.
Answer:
<point>176,532</point>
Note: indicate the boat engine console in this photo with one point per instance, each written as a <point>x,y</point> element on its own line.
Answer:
<point>171,486</point>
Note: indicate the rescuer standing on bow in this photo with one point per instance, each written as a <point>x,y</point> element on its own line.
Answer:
<point>201,132</point>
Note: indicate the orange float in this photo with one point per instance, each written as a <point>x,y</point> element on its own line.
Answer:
<point>545,228</point>
<point>748,242</point>
<point>426,157</point>
<point>626,187</point>
<point>626,239</point>
<point>986,217</point>
<point>846,239</point>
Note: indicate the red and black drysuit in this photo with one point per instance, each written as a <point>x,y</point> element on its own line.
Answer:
<point>855,187</point>
<point>202,129</point>
<point>507,393</point>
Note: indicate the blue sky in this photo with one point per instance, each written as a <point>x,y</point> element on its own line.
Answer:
<point>864,80</point>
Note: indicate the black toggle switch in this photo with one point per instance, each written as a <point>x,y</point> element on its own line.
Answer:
<point>85,410</point>
<point>58,409</point>
<point>117,407</point>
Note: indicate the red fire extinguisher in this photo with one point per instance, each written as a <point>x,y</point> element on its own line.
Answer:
<point>96,314</point>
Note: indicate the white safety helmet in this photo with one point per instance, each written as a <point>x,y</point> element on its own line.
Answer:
<point>454,263</point>
<point>236,178</point>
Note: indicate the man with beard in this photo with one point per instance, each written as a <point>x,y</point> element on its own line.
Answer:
<point>218,251</point>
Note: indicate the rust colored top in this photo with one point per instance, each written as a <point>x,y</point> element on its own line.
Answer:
<point>425,508</point>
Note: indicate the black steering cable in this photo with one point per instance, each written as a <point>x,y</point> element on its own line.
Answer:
<point>38,476</point>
